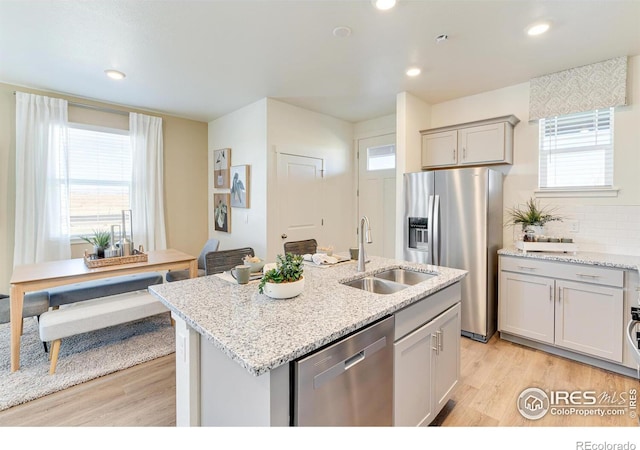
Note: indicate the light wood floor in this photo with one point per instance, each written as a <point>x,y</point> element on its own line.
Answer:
<point>492,377</point>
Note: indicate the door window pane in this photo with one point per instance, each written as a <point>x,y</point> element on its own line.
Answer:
<point>381,158</point>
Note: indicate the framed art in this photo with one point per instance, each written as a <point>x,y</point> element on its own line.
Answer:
<point>221,168</point>
<point>240,179</point>
<point>222,212</point>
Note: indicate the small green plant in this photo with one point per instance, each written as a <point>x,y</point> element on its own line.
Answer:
<point>100,238</point>
<point>288,269</point>
<point>531,214</point>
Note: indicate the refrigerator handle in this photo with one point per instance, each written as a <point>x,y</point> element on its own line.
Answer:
<point>436,231</point>
<point>430,257</point>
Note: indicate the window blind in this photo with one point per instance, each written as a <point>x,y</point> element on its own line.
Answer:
<point>576,150</point>
<point>99,178</point>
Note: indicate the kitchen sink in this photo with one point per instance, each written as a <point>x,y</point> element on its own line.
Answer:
<point>403,276</point>
<point>376,285</point>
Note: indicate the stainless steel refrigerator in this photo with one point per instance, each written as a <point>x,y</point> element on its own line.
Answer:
<point>453,218</point>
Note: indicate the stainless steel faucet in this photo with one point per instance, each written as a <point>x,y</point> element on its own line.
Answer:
<point>365,233</point>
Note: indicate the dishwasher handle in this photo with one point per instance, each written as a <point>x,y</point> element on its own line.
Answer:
<point>346,364</point>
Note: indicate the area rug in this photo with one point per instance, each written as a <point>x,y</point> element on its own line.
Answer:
<point>82,357</point>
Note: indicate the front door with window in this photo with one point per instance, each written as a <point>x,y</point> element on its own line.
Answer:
<point>377,191</point>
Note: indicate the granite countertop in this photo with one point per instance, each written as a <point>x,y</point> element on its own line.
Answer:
<point>627,262</point>
<point>261,333</point>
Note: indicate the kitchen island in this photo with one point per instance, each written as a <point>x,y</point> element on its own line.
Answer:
<point>234,345</point>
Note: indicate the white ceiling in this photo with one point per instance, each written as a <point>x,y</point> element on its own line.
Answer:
<point>203,59</point>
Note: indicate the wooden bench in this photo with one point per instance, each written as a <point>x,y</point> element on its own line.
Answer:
<point>90,315</point>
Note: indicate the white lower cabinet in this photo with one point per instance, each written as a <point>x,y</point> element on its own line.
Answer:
<point>589,319</point>
<point>426,369</point>
<point>547,304</point>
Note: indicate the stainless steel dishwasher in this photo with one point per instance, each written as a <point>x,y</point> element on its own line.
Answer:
<point>348,383</point>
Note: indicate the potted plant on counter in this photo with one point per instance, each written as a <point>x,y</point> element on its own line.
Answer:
<point>532,217</point>
<point>286,280</point>
<point>100,240</point>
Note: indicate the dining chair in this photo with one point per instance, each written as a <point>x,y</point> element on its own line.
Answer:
<point>301,247</point>
<point>210,246</point>
<point>222,260</point>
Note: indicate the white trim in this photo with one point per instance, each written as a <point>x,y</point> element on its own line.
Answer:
<point>578,192</point>
<point>98,128</point>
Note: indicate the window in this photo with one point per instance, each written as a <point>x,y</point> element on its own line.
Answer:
<point>576,151</point>
<point>381,158</point>
<point>99,177</point>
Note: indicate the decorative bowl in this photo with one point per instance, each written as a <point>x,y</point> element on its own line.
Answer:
<point>256,266</point>
<point>284,290</point>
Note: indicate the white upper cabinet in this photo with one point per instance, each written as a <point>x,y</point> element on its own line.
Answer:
<point>483,142</point>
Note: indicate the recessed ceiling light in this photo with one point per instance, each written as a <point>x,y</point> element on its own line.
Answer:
<point>384,4</point>
<point>342,32</point>
<point>413,71</point>
<point>115,74</point>
<point>441,38</point>
<point>538,28</point>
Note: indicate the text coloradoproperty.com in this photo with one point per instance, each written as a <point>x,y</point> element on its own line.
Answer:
<point>588,411</point>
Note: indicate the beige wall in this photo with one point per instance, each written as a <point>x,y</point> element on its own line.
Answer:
<point>185,167</point>
<point>298,131</point>
<point>245,132</point>
<point>412,115</point>
<point>255,133</point>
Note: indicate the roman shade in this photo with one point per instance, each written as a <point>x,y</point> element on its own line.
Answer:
<point>586,88</point>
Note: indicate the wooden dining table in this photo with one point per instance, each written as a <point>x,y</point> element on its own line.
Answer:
<point>40,276</point>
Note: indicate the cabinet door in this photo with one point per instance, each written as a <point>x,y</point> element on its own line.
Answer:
<point>439,149</point>
<point>589,319</point>
<point>447,360</point>
<point>526,306</point>
<point>482,144</point>
<point>412,368</point>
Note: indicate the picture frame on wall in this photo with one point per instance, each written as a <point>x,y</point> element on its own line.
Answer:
<point>240,181</point>
<point>221,168</point>
<point>222,212</point>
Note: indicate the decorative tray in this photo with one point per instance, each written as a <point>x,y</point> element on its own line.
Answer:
<point>546,247</point>
<point>104,262</point>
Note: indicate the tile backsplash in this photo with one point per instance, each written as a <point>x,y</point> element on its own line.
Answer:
<point>607,229</point>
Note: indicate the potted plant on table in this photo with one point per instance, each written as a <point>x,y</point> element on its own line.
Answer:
<point>532,217</point>
<point>100,240</point>
<point>286,280</point>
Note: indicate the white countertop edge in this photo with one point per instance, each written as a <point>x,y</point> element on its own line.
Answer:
<point>627,262</point>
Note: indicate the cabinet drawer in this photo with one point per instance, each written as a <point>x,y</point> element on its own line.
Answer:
<point>421,312</point>
<point>567,271</point>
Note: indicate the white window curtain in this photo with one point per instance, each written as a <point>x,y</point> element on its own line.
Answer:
<point>147,186</point>
<point>586,88</point>
<point>42,215</point>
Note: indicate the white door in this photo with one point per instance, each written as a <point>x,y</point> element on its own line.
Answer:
<point>377,192</point>
<point>300,198</point>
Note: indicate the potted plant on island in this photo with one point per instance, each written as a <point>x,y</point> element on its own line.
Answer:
<point>532,217</point>
<point>286,280</point>
<point>100,240</point>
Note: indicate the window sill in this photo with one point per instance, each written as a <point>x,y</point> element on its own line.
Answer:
<point>577,192</point>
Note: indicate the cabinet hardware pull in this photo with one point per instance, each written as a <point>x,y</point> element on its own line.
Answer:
<point>586,275</point>
<point>526,268</point>
<point>436,344</point>
<point>454,155</point>
<point>464,153</point>
<point>559,294</point>
<point>440,340</point>
<point>550,293</point>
